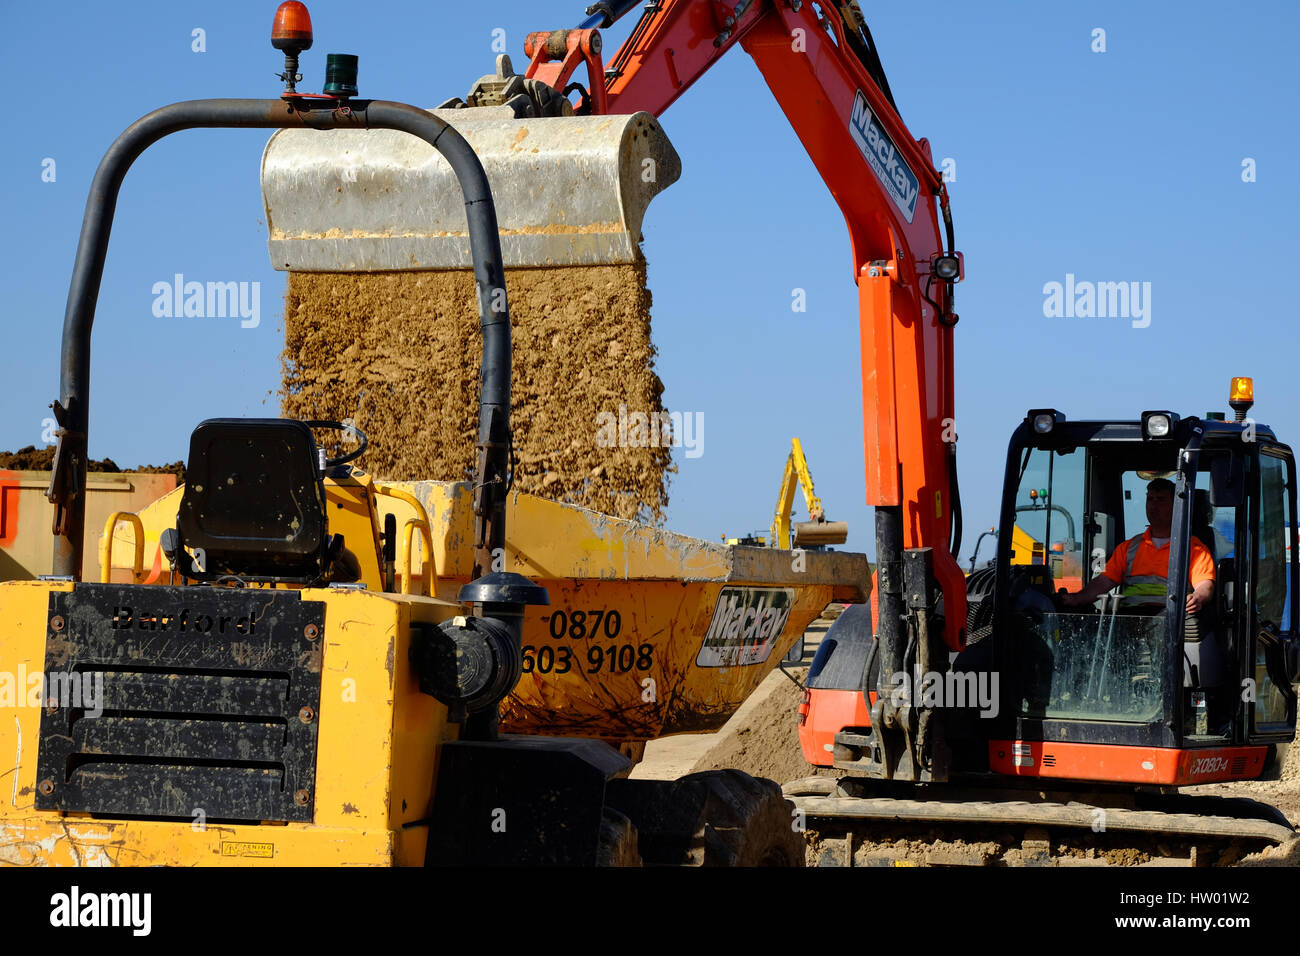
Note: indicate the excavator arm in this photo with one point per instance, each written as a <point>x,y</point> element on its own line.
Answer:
<point>820,63</point>
<point>796,473</point>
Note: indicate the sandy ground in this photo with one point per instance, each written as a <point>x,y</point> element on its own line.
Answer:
<point>755,740</point>
<point>761,738</point>
<point>766,743</point>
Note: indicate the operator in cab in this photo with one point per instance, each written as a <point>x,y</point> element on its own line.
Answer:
<point>1140,565</point>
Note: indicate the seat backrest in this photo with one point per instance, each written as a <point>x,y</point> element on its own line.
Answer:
<point>254,499</point>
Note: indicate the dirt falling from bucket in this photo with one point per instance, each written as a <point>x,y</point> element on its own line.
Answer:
<point>399,353</point>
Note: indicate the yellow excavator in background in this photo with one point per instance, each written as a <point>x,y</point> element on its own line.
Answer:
<point>816,532</point>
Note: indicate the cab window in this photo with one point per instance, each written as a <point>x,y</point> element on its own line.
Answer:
<point>1272,587</point>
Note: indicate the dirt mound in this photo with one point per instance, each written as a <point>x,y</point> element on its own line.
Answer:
<point>399,354</point>
<point>767,743</point>
<point>1290,777</point>
<point>32,458</point>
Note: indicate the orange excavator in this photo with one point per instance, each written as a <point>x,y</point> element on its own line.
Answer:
<point>1032,715</point>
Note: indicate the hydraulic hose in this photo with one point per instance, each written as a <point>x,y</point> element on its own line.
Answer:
<point>602,15</point>
<point>954,489</point>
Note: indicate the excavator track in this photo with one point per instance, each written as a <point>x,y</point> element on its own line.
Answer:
<point>866,823</point>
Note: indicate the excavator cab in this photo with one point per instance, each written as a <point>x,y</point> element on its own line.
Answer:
<point>1066,726</point>
<point>1132,688</point>
<point>1136,688</point>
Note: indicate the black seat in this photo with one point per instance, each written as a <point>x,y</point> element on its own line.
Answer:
<point>254,500</point>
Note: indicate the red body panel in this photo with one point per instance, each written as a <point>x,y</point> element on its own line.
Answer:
<point>8,507</point>
<point>1116,764</point>
<point>823,714</point>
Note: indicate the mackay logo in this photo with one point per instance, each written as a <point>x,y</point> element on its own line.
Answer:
<point>746,624</point>
<point>898,179</point>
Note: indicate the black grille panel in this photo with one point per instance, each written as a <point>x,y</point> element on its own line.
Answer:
<point>175,700</point>
<point>191,740</point>
<point>162,790</point>
<point>195,693</point>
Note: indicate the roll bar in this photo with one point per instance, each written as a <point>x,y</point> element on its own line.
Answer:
<point>72,408</point>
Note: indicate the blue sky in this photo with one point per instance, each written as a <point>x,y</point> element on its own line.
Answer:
<point>1122,166</point>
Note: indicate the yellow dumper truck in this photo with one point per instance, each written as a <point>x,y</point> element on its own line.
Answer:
<point>268,672</point>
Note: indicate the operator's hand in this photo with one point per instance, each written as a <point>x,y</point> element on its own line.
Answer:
<point>1072,600</point>
<point>1199,597</point>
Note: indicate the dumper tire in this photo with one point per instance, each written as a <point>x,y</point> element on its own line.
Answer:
<point>618,840</point>
<point>747,822</point>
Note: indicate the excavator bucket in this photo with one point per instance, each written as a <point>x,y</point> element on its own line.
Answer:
<point>569,191</point>
<point>808,534</point>
<point>379,307</point>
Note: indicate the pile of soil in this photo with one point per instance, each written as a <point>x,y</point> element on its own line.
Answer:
<point>399,354</point>
<point>767,743</point>
<point>32,458</point>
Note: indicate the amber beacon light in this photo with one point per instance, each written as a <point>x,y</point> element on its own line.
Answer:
<point>291,33</point>
<point>1241,395</point>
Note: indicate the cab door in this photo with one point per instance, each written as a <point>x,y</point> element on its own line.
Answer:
<point>1268,697</point>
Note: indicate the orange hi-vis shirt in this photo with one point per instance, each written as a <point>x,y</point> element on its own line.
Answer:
<point>1152,561</point>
